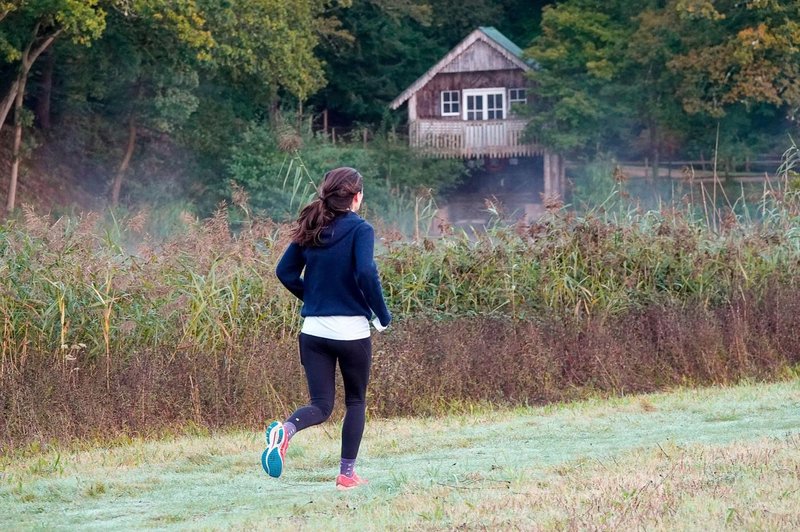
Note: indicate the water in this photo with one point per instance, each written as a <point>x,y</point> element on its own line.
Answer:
<point>515,191</point>
<point>510,188</point>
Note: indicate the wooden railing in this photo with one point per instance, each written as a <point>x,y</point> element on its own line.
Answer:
<point>468,139</point>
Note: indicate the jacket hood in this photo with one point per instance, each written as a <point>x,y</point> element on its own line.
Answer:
<point>341,226</point>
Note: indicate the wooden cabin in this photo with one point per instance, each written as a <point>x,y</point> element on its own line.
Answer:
<point>463,106</point>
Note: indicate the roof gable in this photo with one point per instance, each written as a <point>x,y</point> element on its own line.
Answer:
<point>479,56</point>
<point>502,40</point>
<point>502,55</point>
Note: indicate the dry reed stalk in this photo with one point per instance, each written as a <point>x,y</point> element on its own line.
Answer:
<point>194,391</point>
<point>5,346</point>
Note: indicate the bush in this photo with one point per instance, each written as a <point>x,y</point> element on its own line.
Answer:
<point>279,171</point>
<point>106,330</point>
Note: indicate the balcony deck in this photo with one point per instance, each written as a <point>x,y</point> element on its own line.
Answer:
<point>452,139</point>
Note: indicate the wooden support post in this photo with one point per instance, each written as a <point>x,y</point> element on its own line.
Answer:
<point>325,122</point>
<point>333,135</point>
<point>365,137</point>
<point>547,172</point>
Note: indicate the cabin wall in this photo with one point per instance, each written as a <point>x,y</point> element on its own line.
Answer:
<point>428,104</point>
<point>479,56</point>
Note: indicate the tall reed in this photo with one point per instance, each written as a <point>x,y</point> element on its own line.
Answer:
<point>105,326</point>
<point>68,283</point>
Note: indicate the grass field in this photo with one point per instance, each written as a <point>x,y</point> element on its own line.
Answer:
<point>692,459</point>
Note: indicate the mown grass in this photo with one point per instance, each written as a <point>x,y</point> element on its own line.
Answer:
<point>712,459</point>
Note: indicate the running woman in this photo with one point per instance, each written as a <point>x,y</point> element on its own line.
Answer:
<point>340,290</point>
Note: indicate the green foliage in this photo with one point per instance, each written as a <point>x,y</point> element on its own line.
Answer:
<point>7,51</point>
<point>654,78</point>
<point>735,55</point>
<point>386,49</point>
<point>273,177</point>
<point>268,44</point>
<point>148,60</point>
<point>24,23</point>
<point>579,53</point>
<point>672,79</point>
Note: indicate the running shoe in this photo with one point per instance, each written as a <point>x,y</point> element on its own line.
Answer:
<point>273,456</point>
<point>343,482</point>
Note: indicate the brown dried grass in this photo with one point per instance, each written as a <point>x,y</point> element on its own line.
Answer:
<point>422,367</point>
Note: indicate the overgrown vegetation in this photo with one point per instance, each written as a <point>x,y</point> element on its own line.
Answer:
<point>108,330</point>
<point>280,170</point>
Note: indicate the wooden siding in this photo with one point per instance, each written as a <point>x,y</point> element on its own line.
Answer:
<point>478,57</point>
<point>472,59</point>
<point>428,103</point>
<point>469,139</point>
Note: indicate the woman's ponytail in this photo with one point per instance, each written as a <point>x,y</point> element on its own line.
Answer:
<point>335,196</point>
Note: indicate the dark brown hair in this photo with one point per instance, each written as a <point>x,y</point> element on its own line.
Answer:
<point>334,196</point>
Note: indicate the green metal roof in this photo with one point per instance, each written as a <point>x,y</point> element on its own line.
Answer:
<point>502,40</point>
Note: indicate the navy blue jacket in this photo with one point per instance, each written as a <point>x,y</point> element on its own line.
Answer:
<point>341,278</point>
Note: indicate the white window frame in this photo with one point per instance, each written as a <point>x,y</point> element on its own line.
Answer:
<point>451,102</point>
<point>512,101</point>
<point>483,93</point>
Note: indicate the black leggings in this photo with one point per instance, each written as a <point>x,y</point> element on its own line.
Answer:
<point>319,356</point>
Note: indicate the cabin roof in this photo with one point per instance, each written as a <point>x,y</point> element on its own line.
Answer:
<point>502,40</point>
<point>486,34</point>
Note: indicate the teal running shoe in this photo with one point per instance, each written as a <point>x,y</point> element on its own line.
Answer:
<point>272,459</point>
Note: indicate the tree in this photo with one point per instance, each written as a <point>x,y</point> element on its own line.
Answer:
<point>140,77</point>
<point>579,101</point>
<point>29,28</point>
<point>269,45</point>
<point>165,41</point>
<point>612,73</point>
<point>384,48</point>
<point>744,53</point>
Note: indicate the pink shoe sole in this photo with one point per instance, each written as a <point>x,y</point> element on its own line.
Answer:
<point>347,483</point>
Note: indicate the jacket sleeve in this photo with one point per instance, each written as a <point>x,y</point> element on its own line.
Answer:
<point>367,273</point>
<point>289,269</point>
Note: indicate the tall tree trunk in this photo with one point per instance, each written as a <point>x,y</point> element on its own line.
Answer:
<point>45,91</point>
<point>16,154</point>
<point>8,102</point>
<point>126,160</point>
<point>29,56</point>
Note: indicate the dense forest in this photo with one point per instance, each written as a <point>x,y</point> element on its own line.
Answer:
<point>185,103</point>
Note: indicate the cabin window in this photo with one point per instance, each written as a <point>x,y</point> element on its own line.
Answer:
<point>517,96</point>
<point>484,104</point>
<point>451,103</point>
<point>494,106</point>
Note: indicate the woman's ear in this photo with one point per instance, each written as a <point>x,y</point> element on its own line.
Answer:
<point>357,199</point>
